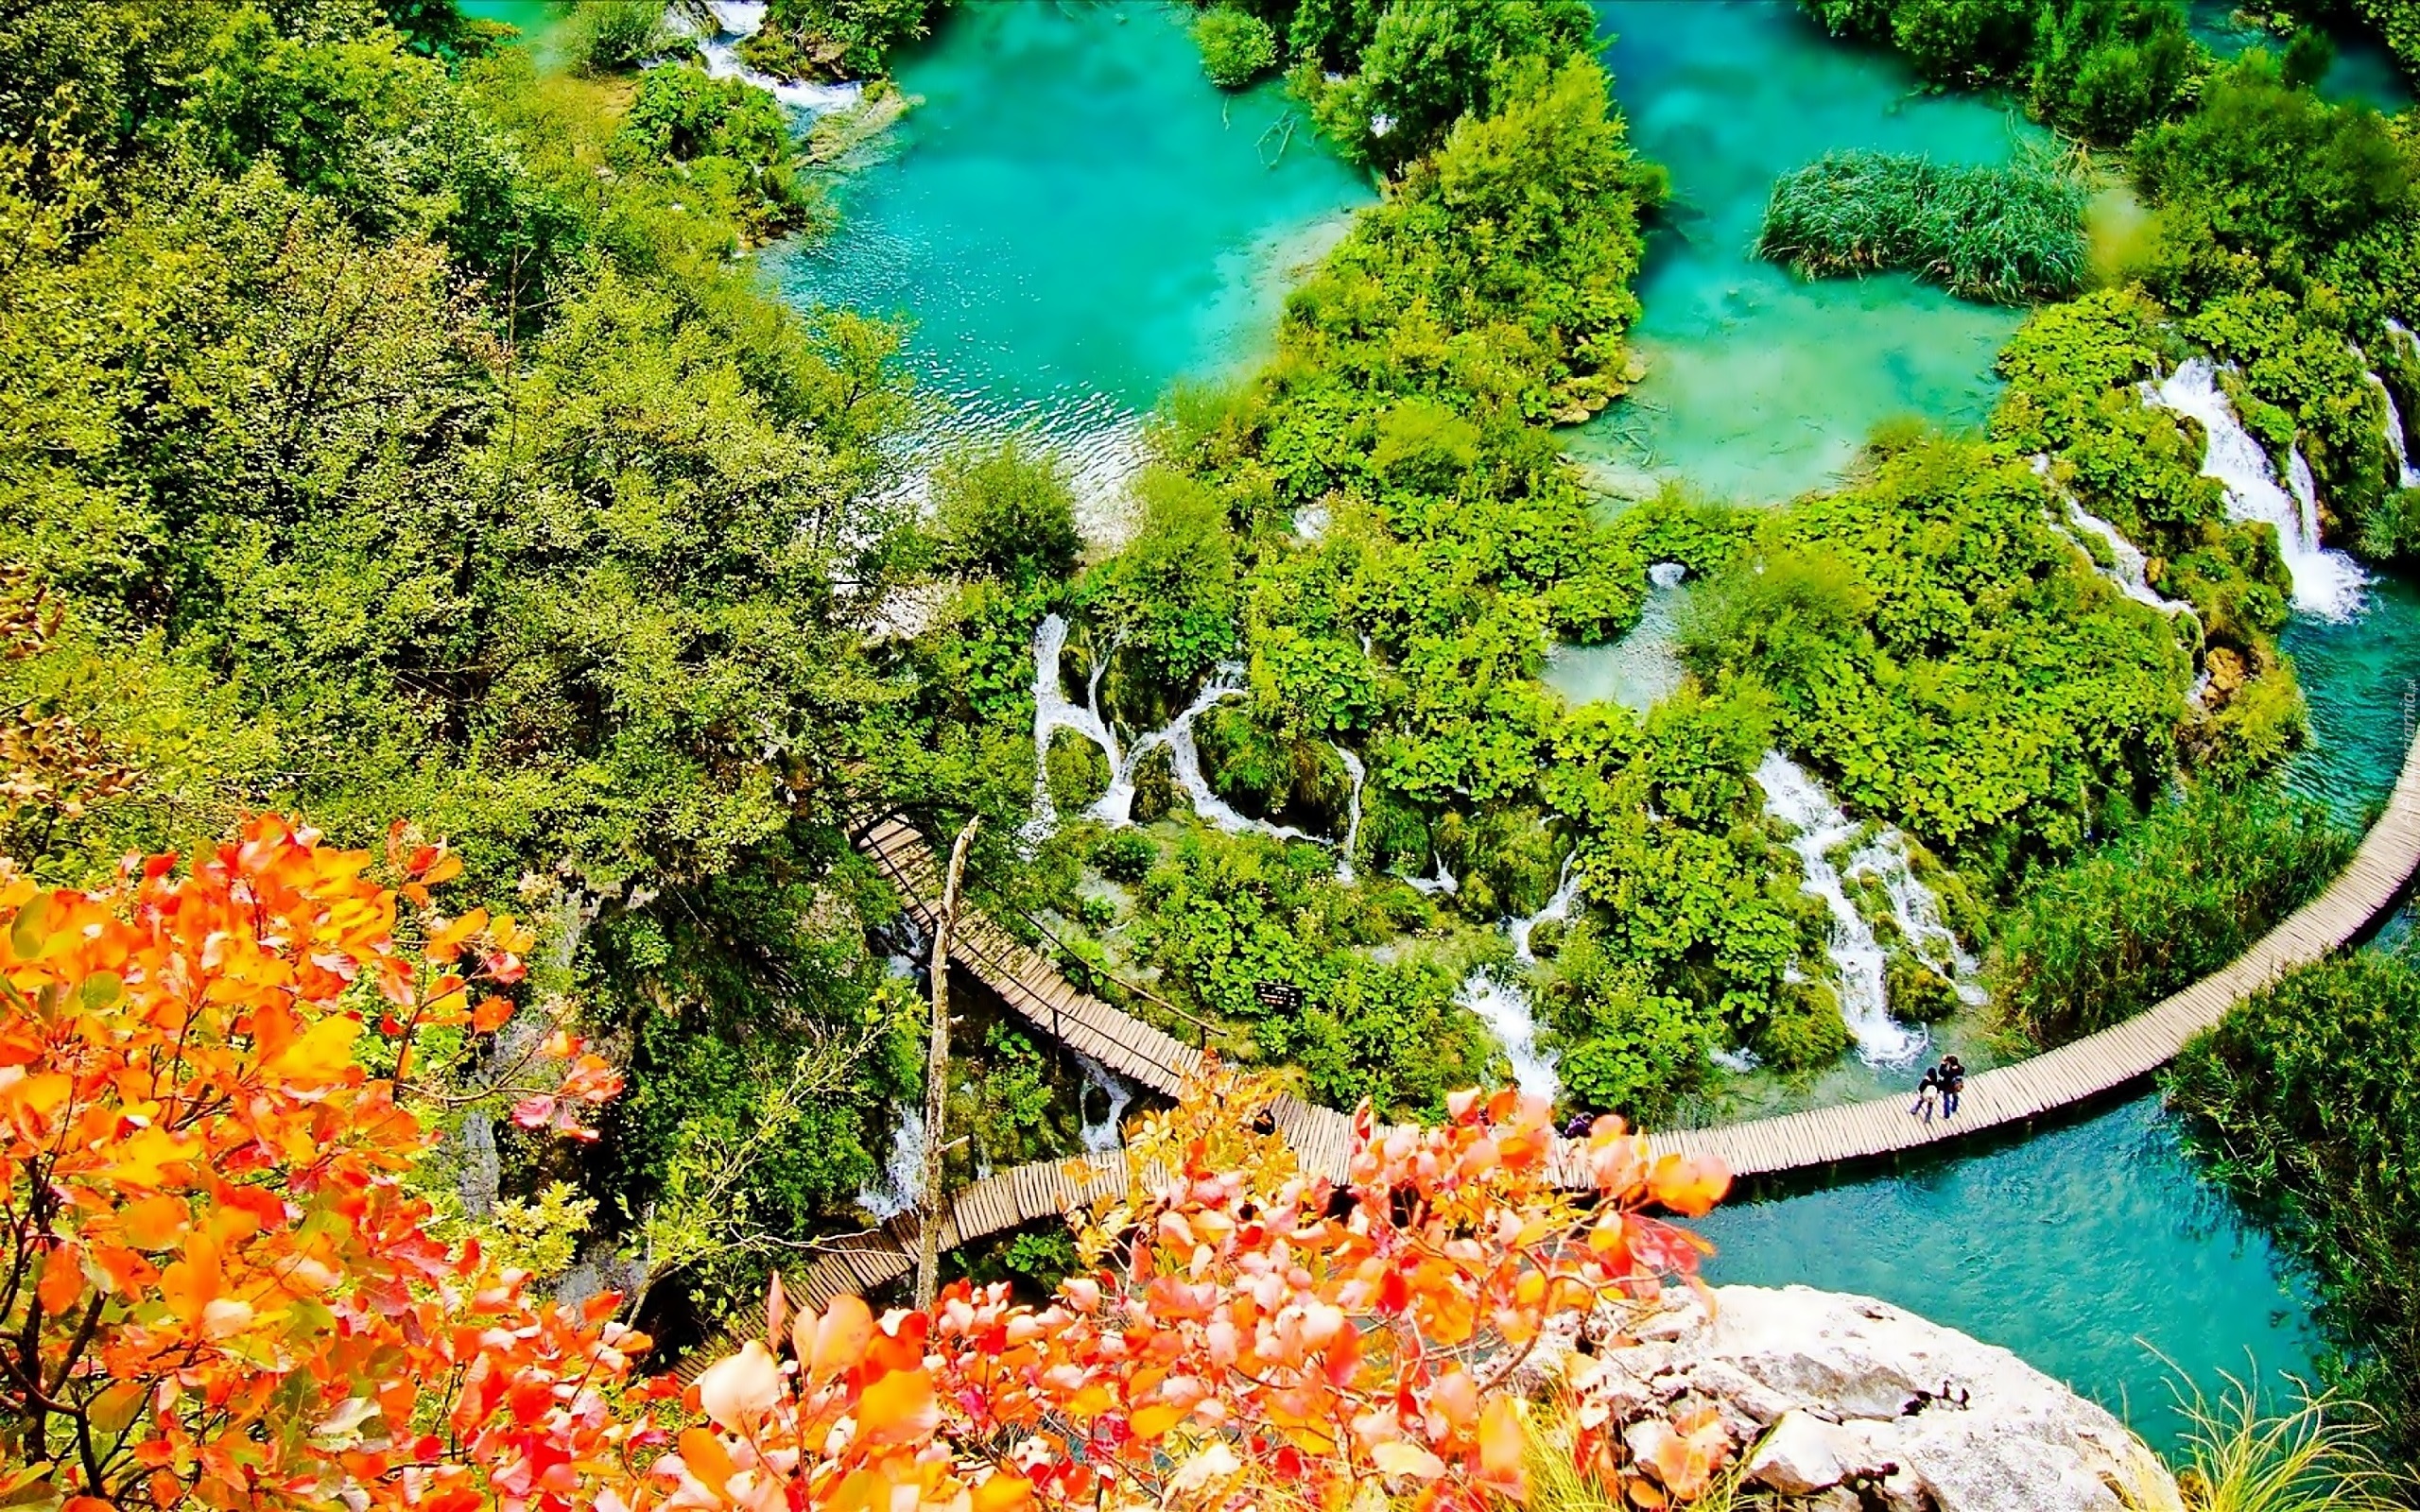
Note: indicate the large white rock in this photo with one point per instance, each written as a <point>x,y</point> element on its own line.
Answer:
<point>1860,1392</point>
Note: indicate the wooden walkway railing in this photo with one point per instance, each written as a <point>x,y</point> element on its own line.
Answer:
<point>1322,1136</point>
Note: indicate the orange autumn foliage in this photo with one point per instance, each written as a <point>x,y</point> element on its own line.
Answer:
<point>218,1290</point>
<point>1257,1335</point>
<point>215,1288</point>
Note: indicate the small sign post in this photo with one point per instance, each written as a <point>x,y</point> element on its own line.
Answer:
<point>1278,997</point>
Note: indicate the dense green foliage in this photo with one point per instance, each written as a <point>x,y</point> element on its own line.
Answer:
<point>2302,1102</point>
<point>397,440</point>
<point>2168,901</point>
<point>835,38</point>
<point>2097,69</point>
<point>1228,913</point>
<point>1948,659</point>
<point>2009,234</point>
<point>1236,47</point>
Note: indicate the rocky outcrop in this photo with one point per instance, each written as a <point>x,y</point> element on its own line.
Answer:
<point>1853,1405</point>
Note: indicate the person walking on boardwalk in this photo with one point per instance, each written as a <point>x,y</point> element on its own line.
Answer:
<point>1953,1081</point>
<point>1928,1092</point>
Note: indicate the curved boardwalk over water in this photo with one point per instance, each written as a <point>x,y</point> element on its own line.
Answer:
<point>2072,1074</point>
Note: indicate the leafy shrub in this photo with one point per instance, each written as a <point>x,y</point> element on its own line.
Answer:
<point>729,133</point>
<point>2097,940</point>
<point>834,39</point>
<point>615,36</point>
<point>2266,173</point>
<point>1236,47</point>
<point>1123,856</point>
<point>1004,511</point>
<point>2301,1101</point>
<point>2007,234</point>
<point>1079,771</point>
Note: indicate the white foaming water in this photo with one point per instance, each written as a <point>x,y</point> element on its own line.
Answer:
<point>1102,1137</point>
<point>1557,909</point>
<point>1818,826</point>
<point>902,1174</point>
<point>2406,477</point>
<point>1054,710</point>
<point>1505,1009</point>
<point>737,18</point>
<point>2130,571</point>
<point>1360,776</point>
<point>2326,583</point>
<point>1443,881</point>
<point>1505,1006</point>
<point>1917,912</point>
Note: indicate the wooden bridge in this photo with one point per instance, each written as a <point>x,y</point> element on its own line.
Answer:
<point>2075,1073</point>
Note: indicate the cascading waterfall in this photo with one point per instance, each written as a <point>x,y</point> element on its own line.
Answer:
<point>1360,775</point>
<point>737,19</point>
<point>1505,1009</point>
<point>1053,710</point>
<point>1557,910</point>
<point>1917,912</point>
<point>2129,569</point>
<point>902,1173</point>
<point>2405,476</point>
<point>1504,1005</point>
<point>1818,827</point>
<point>2326,583</point>
<point>1106,1135</point>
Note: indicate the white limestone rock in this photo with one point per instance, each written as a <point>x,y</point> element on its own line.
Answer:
<point>1912,1415</point>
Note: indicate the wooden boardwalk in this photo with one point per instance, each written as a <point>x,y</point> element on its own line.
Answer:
<point>1322,1136</point>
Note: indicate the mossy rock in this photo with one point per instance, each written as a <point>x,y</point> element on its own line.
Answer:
<point>1546,938</point>
<point>1156,795</point>
<point>1806,1030</point>
<point>1919,994</point>
<point>1395,835</point>
<point>1301,782</point>
<point>1077,771</point>
<point>1508,860</point>
<point>1135,695</point>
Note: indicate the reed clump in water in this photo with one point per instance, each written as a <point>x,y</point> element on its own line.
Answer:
<point>2007,234</point>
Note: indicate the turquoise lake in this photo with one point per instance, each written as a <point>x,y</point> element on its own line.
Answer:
<point>1761,384</point>
<point>1073,219</point>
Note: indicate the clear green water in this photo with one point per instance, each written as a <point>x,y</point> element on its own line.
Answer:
<point>1760,385</point>
<point>2090,1250</point>
<point>2358,679</point>
<point>1074,218</point>
<point>2363,70</point>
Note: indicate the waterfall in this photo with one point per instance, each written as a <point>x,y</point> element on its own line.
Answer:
<point>737,19</point>
<point>1558,909</point>
<point>1917,912</point>
<point>902,1174</point>
<point>1360,776</point>
<point>1504,1008</point>
<point>2405,476</point>
<point>1443,881</point>
<point>2130,570</point>
<point>1102,1137</point>
<point>2326,583</point>
<point>1818,826</point>
<point>1053,710</point>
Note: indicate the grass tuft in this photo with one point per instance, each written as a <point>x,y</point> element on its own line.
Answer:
<point>2004,234</point>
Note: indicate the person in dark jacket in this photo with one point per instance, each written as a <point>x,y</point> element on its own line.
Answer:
<point>1928,1093</point>
<point>1953,1082</point>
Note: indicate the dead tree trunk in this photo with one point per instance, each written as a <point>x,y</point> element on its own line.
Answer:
<point>928,1260</point>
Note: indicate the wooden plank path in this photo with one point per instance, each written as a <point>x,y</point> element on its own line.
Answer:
<point>2097,1064</point>
<point>2075,1073</point>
